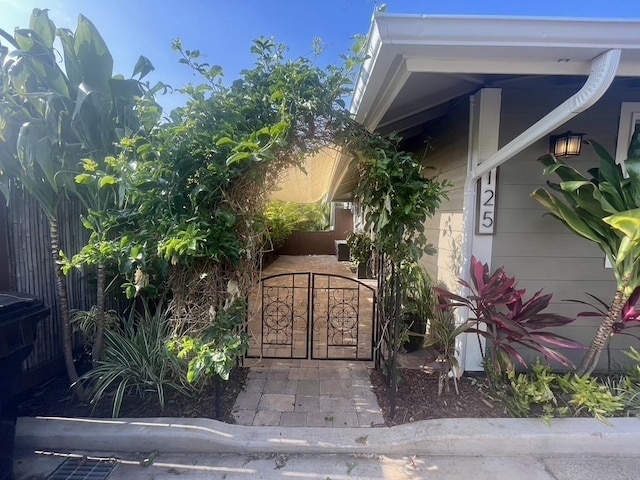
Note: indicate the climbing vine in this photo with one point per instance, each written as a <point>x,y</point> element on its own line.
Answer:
<point>181,200</point>
<point>398,196</point>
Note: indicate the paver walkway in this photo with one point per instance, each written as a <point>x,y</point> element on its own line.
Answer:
<point>307,393</point>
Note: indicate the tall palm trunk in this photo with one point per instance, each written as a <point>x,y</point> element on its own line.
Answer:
<point>61,289</point>
<point>96,352</point>
<point>602,336</point>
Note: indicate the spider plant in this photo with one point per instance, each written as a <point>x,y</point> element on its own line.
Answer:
<point>137,360</point>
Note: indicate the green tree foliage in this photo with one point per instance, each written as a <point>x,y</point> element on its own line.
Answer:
<point>51,117</point>
<point>180,204</point>
<point>398,196</point>
<point>191,193</point>
<point>283,218</point>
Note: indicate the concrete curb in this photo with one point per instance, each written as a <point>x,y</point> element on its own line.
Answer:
<point>463,437</point>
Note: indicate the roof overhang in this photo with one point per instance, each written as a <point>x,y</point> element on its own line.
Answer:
<point>416,63</point>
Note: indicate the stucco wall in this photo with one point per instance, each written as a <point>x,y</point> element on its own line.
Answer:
<point>535,248</point>
<point>447,141</point>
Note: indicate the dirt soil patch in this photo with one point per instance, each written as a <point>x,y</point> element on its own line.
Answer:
<point>55,399</point>
<point>417,398</point>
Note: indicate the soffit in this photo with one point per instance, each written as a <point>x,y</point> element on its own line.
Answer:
<point>418,63</point>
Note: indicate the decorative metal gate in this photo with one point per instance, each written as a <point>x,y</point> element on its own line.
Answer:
<point>312,316</point>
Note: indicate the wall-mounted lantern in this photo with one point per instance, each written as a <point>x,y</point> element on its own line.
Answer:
<point>566,145</point>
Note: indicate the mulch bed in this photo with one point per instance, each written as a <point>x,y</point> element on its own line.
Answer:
<point>55,399</point>
<point>417,398</point>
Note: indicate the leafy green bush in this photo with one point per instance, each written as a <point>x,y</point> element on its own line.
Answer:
<point>542,392</point>
<point>537,388</point>
<point>360,247</point>
<point>218,349</point>
<point>283,218</point>
<point>590,395</point>
<point>604,208</point>
<point>136,359</point>
<point>84,322</point>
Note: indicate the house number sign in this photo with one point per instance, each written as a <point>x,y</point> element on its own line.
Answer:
<point>486,217</point>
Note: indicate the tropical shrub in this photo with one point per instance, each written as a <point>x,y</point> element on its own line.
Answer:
<point>283,218</point>
<point>536,389</point>
<point>53,117</point>
<point>442,336</point>
<point>588,394</point>
<point>137,360</point>
<point>360,247</point>
<point>542,392</point>
<point>605,209</point>
<point>506,320</point>
<point>84,322</point>
<point>418,300</point>
<point>398,196</point>
<point>219,348</point>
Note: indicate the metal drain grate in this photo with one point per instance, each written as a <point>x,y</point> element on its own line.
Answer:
<point>82,469</point>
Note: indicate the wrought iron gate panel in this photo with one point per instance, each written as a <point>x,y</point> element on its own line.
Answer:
<point>313,315</point>
<point>285,316</point>
<point>342,318</point>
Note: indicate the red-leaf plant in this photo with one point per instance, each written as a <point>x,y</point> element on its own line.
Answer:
<point>629,316</point>
<point>509,320</point>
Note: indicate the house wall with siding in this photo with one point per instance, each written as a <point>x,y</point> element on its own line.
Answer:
<point>535,248</point>
<point>445,146</point>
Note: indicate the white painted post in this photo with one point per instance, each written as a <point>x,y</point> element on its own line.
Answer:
<point>480,216</point>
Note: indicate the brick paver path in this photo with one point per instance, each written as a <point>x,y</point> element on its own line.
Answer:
<point>308,393</point>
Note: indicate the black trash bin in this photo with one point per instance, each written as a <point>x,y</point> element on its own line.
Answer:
<point>19,317</point>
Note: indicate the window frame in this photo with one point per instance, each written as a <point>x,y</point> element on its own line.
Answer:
<point>629,118</point>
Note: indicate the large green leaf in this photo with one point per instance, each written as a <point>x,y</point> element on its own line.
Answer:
<point>613,196</point>
<point>71,64</point>
<point>633,170</point>
<point>94,59</point>
<point>569,216</point>
<point>627,222</point>
<point>565,172</point>
<point>33,44</point>
<point>587,196</point>
<point>41,24</point>
<point>123,94</point>
<point>90,118</point>
<point>143,67</point>
<point>626,249</point>
<point>609,170</point>
<point>34,152</point>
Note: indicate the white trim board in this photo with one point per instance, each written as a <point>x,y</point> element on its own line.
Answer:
<point>629,118</point>
<point>484,131</point>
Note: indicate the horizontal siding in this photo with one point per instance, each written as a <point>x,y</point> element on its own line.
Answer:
<point>535,220</point>
<point>533,246</point>
<point>517,244</point>
<point>544,268</point>
<point>447,154</point>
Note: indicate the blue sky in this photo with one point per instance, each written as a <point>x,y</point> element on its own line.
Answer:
<point>223,30</point>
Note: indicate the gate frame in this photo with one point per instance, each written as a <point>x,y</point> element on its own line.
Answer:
<point>311,288</point>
